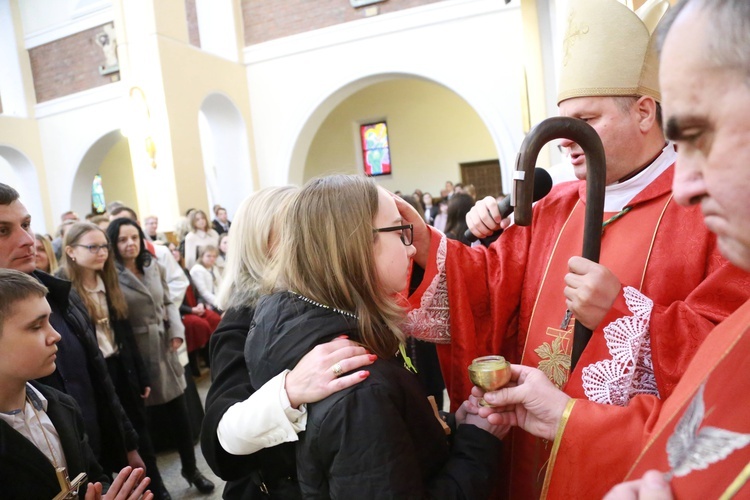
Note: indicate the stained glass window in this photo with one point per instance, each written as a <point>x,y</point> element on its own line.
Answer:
<point>98,204</point>
<point>376,155</point>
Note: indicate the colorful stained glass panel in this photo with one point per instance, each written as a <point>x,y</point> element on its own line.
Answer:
<point>376,154</point>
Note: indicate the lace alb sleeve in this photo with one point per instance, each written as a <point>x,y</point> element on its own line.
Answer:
<point>630,371</point>
<point>431,321</point>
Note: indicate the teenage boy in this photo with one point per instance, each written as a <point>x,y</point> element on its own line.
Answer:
<point>43,446</point>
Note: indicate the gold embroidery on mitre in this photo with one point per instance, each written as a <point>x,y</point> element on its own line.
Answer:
<point>555,357</point>
<point>573,33</point>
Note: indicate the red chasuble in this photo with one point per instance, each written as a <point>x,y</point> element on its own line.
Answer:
<point>700,434</point>
<point>509,300</point>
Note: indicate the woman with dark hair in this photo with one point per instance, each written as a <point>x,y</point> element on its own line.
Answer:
<point>144,287</point>
<point>458,206</point>
<point>88,262</point>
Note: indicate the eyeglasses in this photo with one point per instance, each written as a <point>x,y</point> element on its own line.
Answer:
<point>94,248</point>
<point>407,232</point>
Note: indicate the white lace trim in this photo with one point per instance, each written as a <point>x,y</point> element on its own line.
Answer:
<point>630,371</point>
<point>431,321</point>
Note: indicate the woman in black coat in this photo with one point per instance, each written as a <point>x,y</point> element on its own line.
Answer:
<point>261,469</point>
<point>343,263</point>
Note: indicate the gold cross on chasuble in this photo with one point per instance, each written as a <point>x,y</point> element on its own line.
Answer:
<point>68,489</point>
<point>555,357</point>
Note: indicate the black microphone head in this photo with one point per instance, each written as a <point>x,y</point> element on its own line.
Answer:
<point>542,183</point>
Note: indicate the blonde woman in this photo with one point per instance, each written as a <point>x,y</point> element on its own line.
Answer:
<point>206,275</point>
<point>45,255</point>
<point>242,427</point>
<point>221,260</point>
<point>201,235</point>
<point>343,261</point>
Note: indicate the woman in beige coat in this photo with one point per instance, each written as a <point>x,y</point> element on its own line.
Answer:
<point>159,332</point>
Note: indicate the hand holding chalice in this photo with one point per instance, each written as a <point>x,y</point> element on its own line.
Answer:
<point>489,373</point>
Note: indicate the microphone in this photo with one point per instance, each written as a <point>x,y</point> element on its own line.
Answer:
<point>542,187</point>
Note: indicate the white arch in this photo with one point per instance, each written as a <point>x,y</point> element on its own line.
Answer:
<point>17,171</point>
<point>469,47</point>
<point>80,192</point>
<point>226,159</point>
<point>501,135</point>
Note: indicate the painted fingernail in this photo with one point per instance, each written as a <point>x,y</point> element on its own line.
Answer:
<point>343,337</point>
<point>373,357</point>
<point>364,374</point>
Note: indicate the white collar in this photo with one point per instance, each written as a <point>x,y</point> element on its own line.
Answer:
<point>99,286</point>
<point>617,196</point>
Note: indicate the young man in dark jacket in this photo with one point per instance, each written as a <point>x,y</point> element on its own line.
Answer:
<point>81,371</point>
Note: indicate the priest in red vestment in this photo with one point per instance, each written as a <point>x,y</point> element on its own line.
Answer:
<point>698,437</point>
<point>661,285</point>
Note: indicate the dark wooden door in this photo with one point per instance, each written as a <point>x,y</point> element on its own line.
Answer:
<point>485,175</point>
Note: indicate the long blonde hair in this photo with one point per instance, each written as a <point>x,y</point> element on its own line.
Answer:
<point>51,258</point>
<point>326,254</point>
<point>250,245</point>
<point>73,271</point>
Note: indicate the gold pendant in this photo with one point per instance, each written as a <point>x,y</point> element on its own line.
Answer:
<point>68,488</point>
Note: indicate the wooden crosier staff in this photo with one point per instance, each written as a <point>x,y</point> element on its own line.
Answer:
<point>596,173</point>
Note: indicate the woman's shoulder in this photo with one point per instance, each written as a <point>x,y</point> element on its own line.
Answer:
<point>198,269</point>
<point>389,385</point>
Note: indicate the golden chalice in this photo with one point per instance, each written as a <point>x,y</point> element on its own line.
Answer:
<point>489,373</point>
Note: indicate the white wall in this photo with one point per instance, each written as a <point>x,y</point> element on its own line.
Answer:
<point>224,150</point>
<point>69,127</point>
<point>467,46</point>
<point>17,171</point>
<point>47,20</point>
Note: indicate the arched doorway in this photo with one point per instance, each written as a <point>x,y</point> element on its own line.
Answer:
<point>109,156</point>
<point>225,149</point>
<point>17,171</point>
<point>432,131</point>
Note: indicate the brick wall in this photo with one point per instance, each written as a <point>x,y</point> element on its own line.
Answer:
<point>192,22</point>
<point>269,19</point>
<point>68,65</point>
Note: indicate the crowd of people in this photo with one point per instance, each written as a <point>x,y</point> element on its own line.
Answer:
<point>318,303</point>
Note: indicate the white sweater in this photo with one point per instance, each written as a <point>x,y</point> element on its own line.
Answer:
<point>206,282</point>
<point>194,241</point>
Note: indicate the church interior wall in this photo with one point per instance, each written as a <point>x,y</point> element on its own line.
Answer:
<point>431,131</point>
<point>21,149</point>
<point>207,75</point>
<point>270,19</point>
<point>18,171</point>
<point>224,148</point>
<point>284,90</point>
<point>64,147</point>
<point>116,170</point>
<point>467,46</point>
<point>191,11</point>
<point>68,65</point>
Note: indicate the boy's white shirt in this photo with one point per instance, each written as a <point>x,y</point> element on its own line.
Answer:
<point>25,422</point>
<point>263,420</point>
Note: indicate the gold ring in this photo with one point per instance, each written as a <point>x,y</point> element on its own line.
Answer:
<point>337,370</point>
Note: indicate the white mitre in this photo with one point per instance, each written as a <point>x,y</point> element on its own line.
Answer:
<point>609,50</point>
